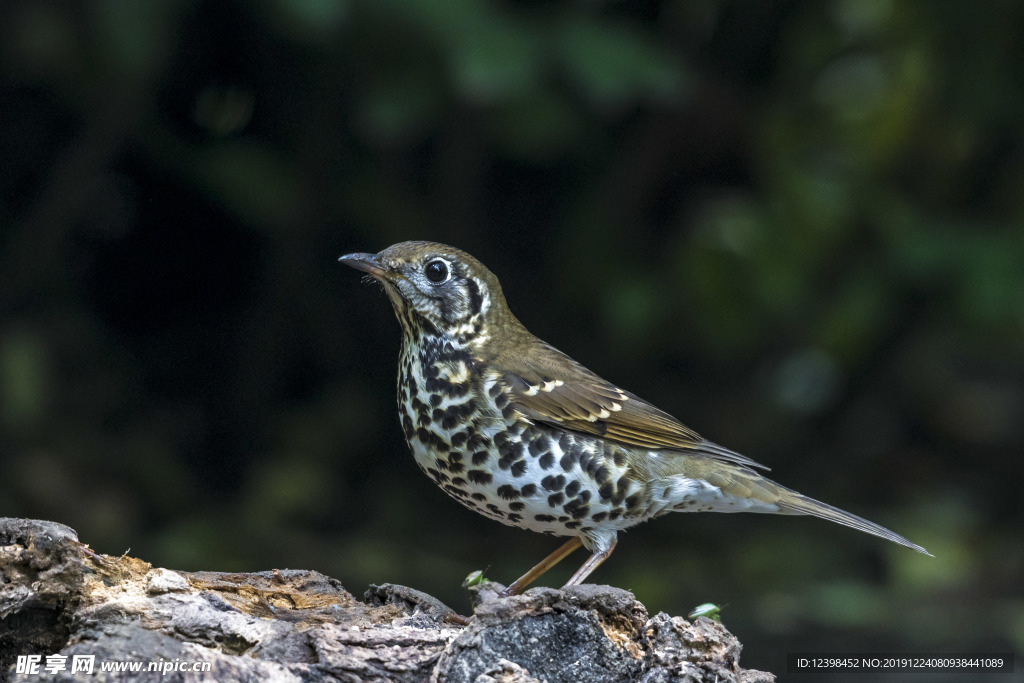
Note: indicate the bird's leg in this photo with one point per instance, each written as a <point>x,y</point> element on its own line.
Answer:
<point>547,563</point>
<point>592,563</point>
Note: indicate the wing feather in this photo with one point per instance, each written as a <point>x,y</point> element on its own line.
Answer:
<point>552,388</point>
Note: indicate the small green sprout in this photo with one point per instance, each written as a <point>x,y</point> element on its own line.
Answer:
<point>474,579</point>
<point>709,610</point>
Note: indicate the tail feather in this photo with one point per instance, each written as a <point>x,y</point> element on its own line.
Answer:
<point>703,484</point>
<point>794,503</point>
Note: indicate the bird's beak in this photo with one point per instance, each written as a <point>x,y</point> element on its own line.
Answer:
<point>368,263</point>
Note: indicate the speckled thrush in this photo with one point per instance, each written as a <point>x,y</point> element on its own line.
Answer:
<point>518,431</point>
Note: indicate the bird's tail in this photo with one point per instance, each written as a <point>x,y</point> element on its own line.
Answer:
<point>702,484</point>
<point>792,503</point>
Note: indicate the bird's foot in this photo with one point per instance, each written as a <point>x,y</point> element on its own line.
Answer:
<point>511,590</point>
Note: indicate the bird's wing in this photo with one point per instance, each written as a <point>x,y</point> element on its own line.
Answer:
<point>552,388</point>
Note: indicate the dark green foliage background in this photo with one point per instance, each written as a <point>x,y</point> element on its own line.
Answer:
<point>799,226</point>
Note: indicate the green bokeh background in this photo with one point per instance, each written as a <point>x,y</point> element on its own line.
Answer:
<point>798,226</point>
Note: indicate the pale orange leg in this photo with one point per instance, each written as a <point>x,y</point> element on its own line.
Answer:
<point>592,563</point>
<point>547,563</point>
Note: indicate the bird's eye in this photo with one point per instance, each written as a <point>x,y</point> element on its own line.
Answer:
<point>437,271</point>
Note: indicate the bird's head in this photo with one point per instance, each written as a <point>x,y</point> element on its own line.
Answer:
<point>436,289</point>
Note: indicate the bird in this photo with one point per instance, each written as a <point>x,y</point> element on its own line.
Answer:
<point>516,430</point>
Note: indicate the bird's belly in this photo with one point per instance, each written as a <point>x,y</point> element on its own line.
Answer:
<point>530,476</point>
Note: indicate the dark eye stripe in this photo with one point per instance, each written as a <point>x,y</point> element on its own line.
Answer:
<point>476,301</point>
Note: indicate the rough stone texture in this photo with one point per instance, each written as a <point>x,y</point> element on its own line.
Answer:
<point>583,633</point>
<point>59,597</point>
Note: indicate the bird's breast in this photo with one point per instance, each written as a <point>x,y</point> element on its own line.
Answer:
<point>492,460</point>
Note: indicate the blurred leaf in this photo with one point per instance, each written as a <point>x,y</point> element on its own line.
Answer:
<point>134,35</point>
<point>315,17</point>
<point>400,109</point>
<point>496,61</point>
<point>857,315</point>
<point>806,381</point>
<point>631,309</point>
<point>863,19</point>
<point>614,65</point>
<point>979,266</point>
<point>854,87</point>
<point>943,525</point>
<point>288,486</point>
<point>539,127</point>
<point>25,377</point>
<point>252,181</point>
<point>847,604</point>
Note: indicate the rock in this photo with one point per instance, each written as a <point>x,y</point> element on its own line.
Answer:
<point>41,574</point>
<point>64,604</point>
<point>506,672</point>
<point>409,600</point>
<point>583,633</point>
